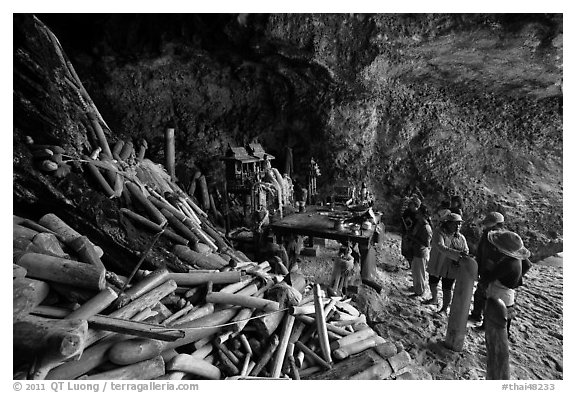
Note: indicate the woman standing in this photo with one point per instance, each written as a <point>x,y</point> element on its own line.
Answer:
<point>420,240</point>
<point>448,246</point>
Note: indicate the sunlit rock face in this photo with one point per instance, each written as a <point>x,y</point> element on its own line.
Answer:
<point>465,102</point>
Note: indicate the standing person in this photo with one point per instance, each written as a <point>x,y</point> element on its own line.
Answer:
<point>408,221</point>
<point>456,204</point>
<point>508,271</point>
<point>485,255</point>
<point>448,246</point>
<point>420,238</point>
<point>443,210</point>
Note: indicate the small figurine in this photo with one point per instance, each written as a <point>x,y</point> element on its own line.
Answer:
<point>343,268</point>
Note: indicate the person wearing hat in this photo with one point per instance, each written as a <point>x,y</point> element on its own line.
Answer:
<point>456,204</point>
<point>485,255</point>
<point>509,269</point>
<point>448,247</point>
<point>408,221</point>
<point>442,211</point>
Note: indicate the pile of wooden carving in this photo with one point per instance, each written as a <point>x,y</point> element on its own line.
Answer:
<point>219,315</point>
<point>74,319</point>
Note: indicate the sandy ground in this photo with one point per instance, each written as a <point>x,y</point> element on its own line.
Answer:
<point>536,354</point>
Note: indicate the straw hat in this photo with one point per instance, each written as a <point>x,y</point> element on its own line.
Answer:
<point>509,243</point>
<point>453,217</point>
<point>492,219</point>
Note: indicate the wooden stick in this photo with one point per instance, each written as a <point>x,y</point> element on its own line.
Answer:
<point>352,338</point>
<point>196,259</point>
<point>118,325</point>
<point>202,351</point>
<point>200,312</point>
<point>86,251</point>
<point>126,151</point>
<point>242,300</point>
<point>147,369</point>
<point>18,271</point>
<point>95,305</point>
<point>321,324</point>
<point>347,308</point>
<point>284,339</point>
<point>348,322</point>
<point>95,172</point>
<point>26,295</point>
<point>222,338</point>
<point>266,356</point>
<point>162,204</point>
<point>149,282</point>
<point>331,328</point>
<point>150,209</point>
<point>64,232</point>
<point>180,227</point>
<point>56,340</point>
<point>357,347</point>
<point>317,359</point>
<point>305,309</point>
<point>245,344</point>
<point>297,331</point>
<point>169,355</point>
<point>201,234</point>
<point>139,329</point>
<point>25,222</point>
<point>238,286</point>
<point>50,243</point>
<point>195,366</point>
<point>246,364</point>
<point>233,358</point>
<point>117,148</point>
<point>267,324</point>
<point>168,321</point>
<point>497,349</point>
<point>92,357</point>
<point>99,133</point>
<point>147,300</point>
<point>242,319</point>
<point>170,153</point>
<point>194,278</point>
<point>72,294</point>
<point>142,151</point>
<point>198,329</point>
<point>199,212</point>
<point>22,231</point>
<point>460,307</point>
<point>63,271</point>
<point>329,309</point>
<point>293,368</point>
<point>249,290</point>
<point>183,206</point>
<point>137,218</point>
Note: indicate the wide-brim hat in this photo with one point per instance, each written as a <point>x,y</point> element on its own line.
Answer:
<point>509,243</point>
<point>452,217</point>
<point>492,219</point>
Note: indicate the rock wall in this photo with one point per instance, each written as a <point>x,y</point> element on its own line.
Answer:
<point>465,102</point>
